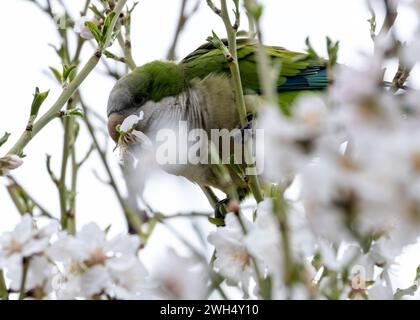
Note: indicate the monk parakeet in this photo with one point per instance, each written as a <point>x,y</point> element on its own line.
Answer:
<point>199,90</point>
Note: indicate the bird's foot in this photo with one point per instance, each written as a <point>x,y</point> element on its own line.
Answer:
<point>220,209</point>
<point>246,132</point>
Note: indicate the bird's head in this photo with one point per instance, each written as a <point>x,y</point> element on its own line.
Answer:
<point>143,90</point>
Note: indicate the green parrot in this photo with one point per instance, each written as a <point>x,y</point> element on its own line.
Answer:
<point>199,90</point>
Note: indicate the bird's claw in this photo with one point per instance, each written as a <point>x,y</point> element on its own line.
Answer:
<point>220,208</point>
<point>246,132</point>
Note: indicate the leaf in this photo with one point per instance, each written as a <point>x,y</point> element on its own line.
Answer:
<point>57,74</point>
<point>332,49</point>
<point>215,40</point>
<point>107,24</point>
<point>74,113</point>
<point>95,31</point>
<point>311,51</point>
<point>216,221</point>
<point>4,139</point>
<point>96,11</point>
<point>68,71</point>
<point>255,9</point>
<point>258,11</point>
<point>60,51</point>
<point>39,98</point>
<point>110,55</point>
<point>21,155</point>
<point>317,261</point>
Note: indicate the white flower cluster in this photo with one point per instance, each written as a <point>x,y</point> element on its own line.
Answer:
<point>353,156</point>
<point>94,266</point>
<point>46,263</point>
<point>356,157</point>
<point>24,248</point>
<point>248,250</point>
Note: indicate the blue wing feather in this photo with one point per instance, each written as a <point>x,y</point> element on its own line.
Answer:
<point>313,77</point>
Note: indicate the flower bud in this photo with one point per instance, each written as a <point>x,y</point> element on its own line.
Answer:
<point>8,163</point>
<point>80,28</point>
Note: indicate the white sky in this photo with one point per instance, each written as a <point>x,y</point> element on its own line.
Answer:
<point>25,57</point>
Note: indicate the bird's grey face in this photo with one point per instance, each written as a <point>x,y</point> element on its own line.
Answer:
<point>139,91</point>
<point>126,98</point>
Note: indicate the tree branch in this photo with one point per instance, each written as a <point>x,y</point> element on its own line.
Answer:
<point>232,59</point>
<point>52,113</point>
<point>182,21</point>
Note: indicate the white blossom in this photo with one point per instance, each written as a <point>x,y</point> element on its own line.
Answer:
<point>131,121</point>
<point>354,85</point>
<point>233,259</point>
<point>380,291</point>
<point>82,29</point>
<point>24,241</point>
<point>297,135</point>
<point>9,162</point>
<point>263,240</point>
<point>181,278</point>
<point>27,244</point>
<point>94,265</point>
<point>38,276</point>
<point>130,134</point>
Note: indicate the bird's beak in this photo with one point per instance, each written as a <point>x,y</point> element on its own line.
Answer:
<point>118,98</point>
<point>114,119</point>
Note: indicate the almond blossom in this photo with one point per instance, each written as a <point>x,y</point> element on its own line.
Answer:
<point>94,265</point>
<point>233,260</point>
<point>25,241</point>
<point>180,277</point>
<point>81,28</point>
<point>9,162</point>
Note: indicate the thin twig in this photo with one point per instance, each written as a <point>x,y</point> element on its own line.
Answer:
<point>232,59</point>
<point>266,74</point>
<point>25,267</point>
<point>185,215</point>
<point>68,146</point>
<point>126,44</point>
<point>50,171</point>
<point>52,113</point>
<point>112,182</point>
<point>182,21</point>
<point>87,155</point>
<point>15,183</point>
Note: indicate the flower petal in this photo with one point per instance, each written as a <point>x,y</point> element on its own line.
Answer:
<point>129,123</point>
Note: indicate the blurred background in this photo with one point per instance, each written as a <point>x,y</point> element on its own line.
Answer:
<point>25,57</point>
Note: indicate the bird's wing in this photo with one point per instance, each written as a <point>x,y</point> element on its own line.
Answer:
<point>297,70</point>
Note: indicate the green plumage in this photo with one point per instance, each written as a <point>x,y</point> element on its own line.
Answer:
<point>298,72</point>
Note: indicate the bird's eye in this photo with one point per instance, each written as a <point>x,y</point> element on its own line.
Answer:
<point>138,100</point>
